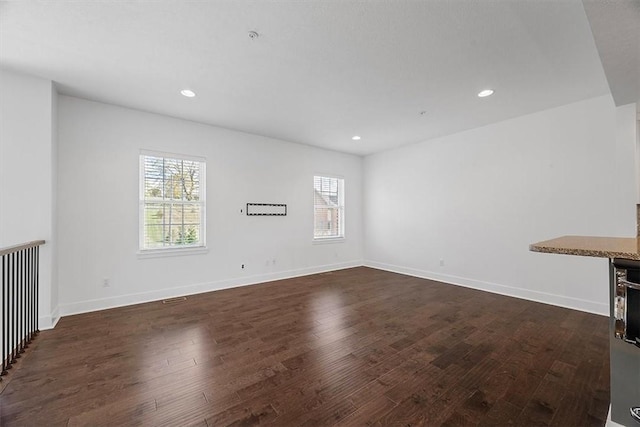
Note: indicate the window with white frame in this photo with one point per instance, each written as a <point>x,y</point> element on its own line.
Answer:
<point>172,201</point>
<point>328,204</point>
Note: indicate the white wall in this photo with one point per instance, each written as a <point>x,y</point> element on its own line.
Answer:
<point>55,297</point>
<point>477,199</point>
<point>627,128</point>
<point>99,146</point>
<point>625,149</point>
<point>27,154</point>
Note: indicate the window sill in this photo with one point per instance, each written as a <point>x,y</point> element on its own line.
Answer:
<point>326,240</point>
<point>161,253</point>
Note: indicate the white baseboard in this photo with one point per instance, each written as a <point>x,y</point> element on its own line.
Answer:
<point>611,423</point>
<point>50,321</point>
<point>543,297</point>
<point>130,299</point>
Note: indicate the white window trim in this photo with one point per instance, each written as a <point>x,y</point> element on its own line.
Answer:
<point>326,240</point>
<point>172,250</point>
<point>332,239</point>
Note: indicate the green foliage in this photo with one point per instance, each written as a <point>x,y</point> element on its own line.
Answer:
<point>189,237</point>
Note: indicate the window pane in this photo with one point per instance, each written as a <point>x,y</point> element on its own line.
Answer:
<point>153,188</point>
<point>173,187</point>
<point>327,222</point>
<point>153,214</point>
<point>190,180</point>
<point>172,175</point>
<point>153,236</point>
<point>192,214</point>
<point>153,166</point>
<point>173,235</point>
<point>191,234</point>
<point>153,176</point>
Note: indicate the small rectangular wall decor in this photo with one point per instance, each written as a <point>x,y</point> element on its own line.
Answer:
<point>266,209</point>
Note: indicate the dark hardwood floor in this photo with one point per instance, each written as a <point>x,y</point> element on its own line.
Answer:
<point>351,347</point>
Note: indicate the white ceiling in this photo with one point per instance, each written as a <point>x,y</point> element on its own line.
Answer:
<point>321,71</point>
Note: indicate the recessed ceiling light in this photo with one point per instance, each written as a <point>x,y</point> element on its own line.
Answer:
<point>188,93</point>
<point>485,93</point>
<point>356,138</point>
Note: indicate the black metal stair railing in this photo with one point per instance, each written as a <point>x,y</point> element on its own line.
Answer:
<point>19,309</point>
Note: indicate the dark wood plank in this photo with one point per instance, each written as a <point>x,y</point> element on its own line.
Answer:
<point>351,347</point>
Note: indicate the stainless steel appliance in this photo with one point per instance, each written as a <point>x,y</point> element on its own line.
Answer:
<point>625,341</point>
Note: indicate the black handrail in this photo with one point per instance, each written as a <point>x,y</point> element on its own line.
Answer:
<point>19,318</point>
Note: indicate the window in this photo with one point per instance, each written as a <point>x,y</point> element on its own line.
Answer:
<point>172,201</point>
<point>328,207</point>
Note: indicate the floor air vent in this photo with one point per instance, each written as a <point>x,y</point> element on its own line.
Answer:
<point>173,300</point>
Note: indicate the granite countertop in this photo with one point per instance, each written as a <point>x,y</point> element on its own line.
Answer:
<point>603,247</point>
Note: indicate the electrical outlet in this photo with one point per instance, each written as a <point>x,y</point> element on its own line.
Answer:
<point>242,266</point>
<point>106,283</point>
<point>441,262</point>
